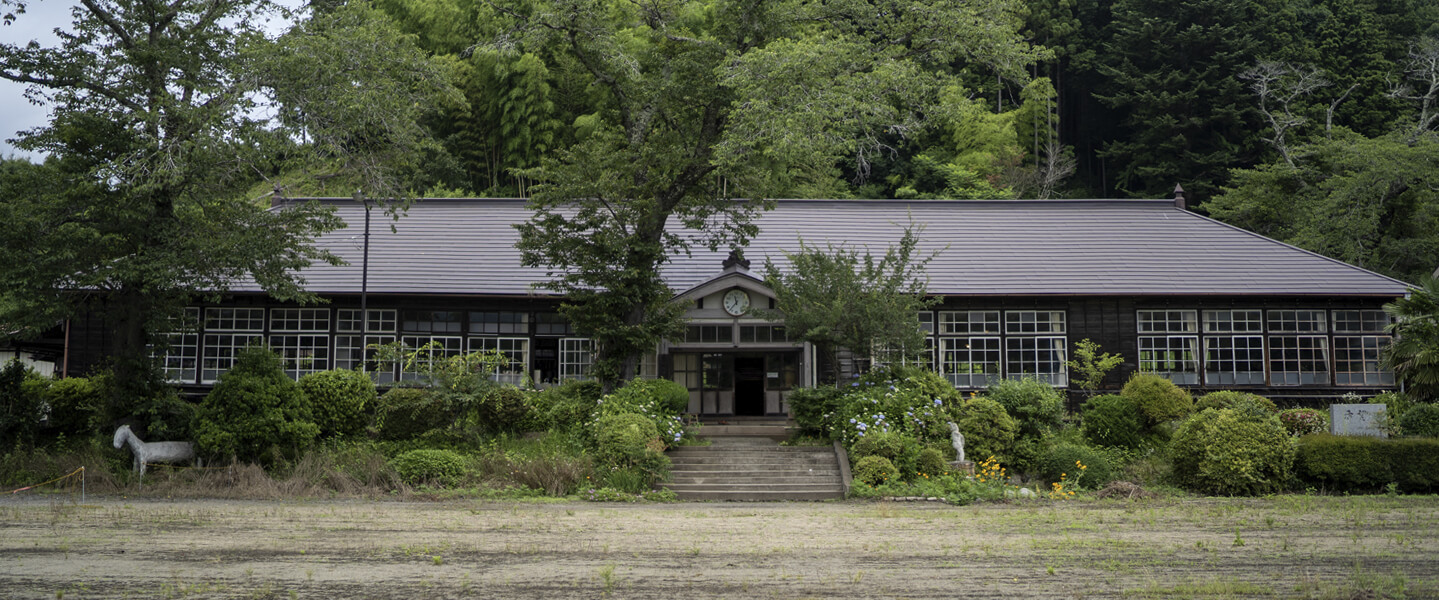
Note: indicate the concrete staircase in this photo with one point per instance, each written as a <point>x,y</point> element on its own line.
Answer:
<point>744,461</point>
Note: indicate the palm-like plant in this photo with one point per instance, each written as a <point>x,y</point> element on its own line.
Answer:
<point>1414,353</point>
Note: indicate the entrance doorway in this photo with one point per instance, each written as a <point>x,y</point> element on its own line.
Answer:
<point>749,385</point>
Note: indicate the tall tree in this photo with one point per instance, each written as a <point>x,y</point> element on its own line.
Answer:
<point>707,101</point>
<point>1414,355</point>
<point>157,130</point>
<point>1185,116</point>
<point>837,297</point>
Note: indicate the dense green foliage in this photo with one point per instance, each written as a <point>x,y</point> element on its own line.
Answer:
<point>1422,420</point>
<point>835,297</point>
<point>1414,353</point>
<point>566,407</point>
<point>1232,452</point>
<point>988,430</point>
<point>1304,421</point>
<point>256,413</point>
<point>1366,464</point>
<point>429,466</point>
<point>655,402</point>
<point>1063,461</point>
<point>403,413</point>
<point>76,405</point>
<point>1114,421</point>
<point>20,409</point>
<point>1233,399</point>
<point>874,471</point>
<point>156,139</point>
<point>1157,398</point>
<point>1037,407</point>
<point>340,401</point>
<point>810,407</point>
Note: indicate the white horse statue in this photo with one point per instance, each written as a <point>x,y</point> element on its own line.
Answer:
<point>153,452</point>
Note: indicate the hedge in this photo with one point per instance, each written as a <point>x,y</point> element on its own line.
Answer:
<point>1358,464</point>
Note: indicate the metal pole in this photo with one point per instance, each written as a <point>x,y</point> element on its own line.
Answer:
<point>364,285</point>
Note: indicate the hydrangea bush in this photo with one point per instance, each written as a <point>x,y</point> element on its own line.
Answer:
<point>641,399</point>
<point>898,406</point>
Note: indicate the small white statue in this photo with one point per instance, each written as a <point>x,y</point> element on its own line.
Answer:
<point>153,452</point>
<point>957,439</point>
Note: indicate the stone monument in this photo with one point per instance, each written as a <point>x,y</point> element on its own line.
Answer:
<point>1357,419</point>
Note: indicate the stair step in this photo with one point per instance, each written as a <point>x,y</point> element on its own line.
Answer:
<point>734,481</point>
<point>740,487</point>
<point>750,496</point>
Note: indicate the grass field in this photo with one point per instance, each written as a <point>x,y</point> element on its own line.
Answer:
<point>1287,546</point>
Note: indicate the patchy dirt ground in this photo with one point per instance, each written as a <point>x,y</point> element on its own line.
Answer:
<point>1291,546</point>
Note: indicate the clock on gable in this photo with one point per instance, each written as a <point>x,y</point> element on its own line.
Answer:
<point>736,302</point>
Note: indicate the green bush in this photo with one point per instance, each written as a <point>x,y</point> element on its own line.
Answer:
<point>339,400</point>
<point>901,450</point>
<point>1229,452</point>
<point>1421,420</point>
<point>1304,421</point>
<point>907,406</point>
<point>639,399</point>
<point>1060,462</point>
<point>670,397</point>
<point>1157,398</point>
<point>406,413</point>
<point>500,408</point>
<point>255,412</point>
<point>621,439</point>
<point>814,408</point>
<point>1395,405</point>
<point>880,443</point>
<point>1113,421</point>
<point>875,471</point>
<point>567,407</point>
<point>21,405</point>
<point>429,466</point>
<point>931,462</point>
<point>1233,399</point>
<point>1037,407</point>
<point>988,430</point>
<point>1359,464</point>
<point>76,404</point>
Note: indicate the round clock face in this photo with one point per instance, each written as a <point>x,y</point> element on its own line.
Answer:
<point>736,302</point>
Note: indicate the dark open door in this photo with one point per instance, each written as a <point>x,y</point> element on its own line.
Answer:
<point>749,385</point>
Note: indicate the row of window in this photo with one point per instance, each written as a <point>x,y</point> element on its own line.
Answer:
<point>202,349</point>
<point>974,349</point>
<point>1255,347</point>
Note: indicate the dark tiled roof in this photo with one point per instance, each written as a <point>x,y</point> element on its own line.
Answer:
<point>999,247</point>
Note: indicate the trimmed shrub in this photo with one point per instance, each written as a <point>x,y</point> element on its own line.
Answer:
<point>1112,421</point>
<point>1359,463</point>
<point>255,412</point>
<point>339,400</point>
<point>429,466</point>
<point>1229,452</point>
<point>1060,461</point>
<point>621,439</point>
<point>1304,421</point>
<point>1157,398</point>
<point>76,404</point>
<point>1233,399</point>
<point>405,413</point>
<point>814,408</point>
<point>1036,406</point>
<point>931,462</point>
<point>1421,420</point>
<point>875,471</point>
<point>988,430</point>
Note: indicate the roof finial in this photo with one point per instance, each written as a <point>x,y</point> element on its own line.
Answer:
<point>1179,202</point>
<point>736,257</point>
